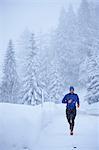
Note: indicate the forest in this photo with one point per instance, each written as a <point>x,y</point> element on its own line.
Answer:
<point>49,63</point>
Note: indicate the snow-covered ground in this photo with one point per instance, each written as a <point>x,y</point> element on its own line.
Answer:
<point>56,135</point>
<point>45,128</point>
<point>92,109</point>
<point>20,125</point>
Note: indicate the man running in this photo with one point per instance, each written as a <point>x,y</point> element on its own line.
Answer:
<point>71,99</point>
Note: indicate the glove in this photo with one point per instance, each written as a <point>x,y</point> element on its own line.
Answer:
<point>70,101</point>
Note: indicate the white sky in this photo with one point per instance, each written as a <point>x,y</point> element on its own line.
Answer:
<point>37,15</point>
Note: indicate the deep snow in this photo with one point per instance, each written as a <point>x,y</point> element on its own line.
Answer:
<point>45,128</point>
<point>20,125</point>
<point>56,135</point>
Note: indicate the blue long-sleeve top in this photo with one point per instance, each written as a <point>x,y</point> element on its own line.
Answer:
<point>74,99</point>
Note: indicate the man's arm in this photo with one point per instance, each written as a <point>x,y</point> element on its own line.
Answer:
<point>64,99</point>
<point>78,103</point>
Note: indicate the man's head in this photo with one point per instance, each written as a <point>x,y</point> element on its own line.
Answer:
<point>71,89</point>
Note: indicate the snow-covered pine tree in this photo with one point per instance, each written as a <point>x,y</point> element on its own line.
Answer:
<point>72,51</point>
<point>10,82</point>
<point>90,35</point>
<point>55,85</point>
<point>83,72</point>
<point>44,53</point>
<point>93,77</point>
<point>84,18</point>
<point>32,93</point>
<point>60,44</point>
<point>43,76</point>
<point>66,45</point>
<point>85,27</point>
<point>94,8</point>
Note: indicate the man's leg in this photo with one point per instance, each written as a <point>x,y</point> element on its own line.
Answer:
<point>72,124</point>
<point>68,117</point>
<point>73,115</point>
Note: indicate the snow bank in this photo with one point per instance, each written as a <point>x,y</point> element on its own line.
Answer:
<point>20,125</point>
<point>92,109</point>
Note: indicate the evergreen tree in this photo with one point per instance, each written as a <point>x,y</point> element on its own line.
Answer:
<point>84,18</point>
<point>89,37</point>
<point>45,53</point>
<point>55,86</point>
<point>43,79</point>
<point>93,79</point>
<point>10,83</point>
<point>94,9</point>
<point>83,72</point>
<point>31,91</point>
<point>84,27</point>
<point>66,45</point>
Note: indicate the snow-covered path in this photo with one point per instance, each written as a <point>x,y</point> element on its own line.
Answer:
<point>56,135</point>
<point>21,129</point>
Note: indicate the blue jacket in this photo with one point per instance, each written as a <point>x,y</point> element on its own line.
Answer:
<point>73,100</point>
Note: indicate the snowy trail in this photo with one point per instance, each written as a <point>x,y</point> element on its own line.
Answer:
<point>56,135</point>
<point>21,129</point>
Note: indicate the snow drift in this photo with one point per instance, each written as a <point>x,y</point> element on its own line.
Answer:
<point>20,125</point>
